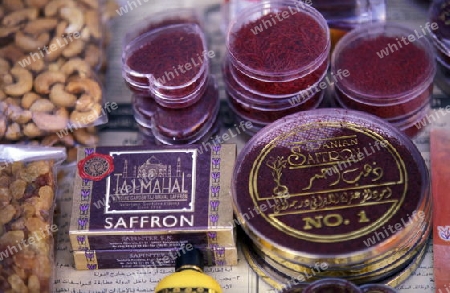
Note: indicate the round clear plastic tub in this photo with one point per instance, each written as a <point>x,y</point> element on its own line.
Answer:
<point>278,81</point>
<point>392,104</point>
<point>263,103</point>
<point>144,108</point>
<point>170,87</point>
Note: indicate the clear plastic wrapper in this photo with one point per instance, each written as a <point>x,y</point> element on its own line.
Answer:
<point>27,199</point>
<point>49,52</point>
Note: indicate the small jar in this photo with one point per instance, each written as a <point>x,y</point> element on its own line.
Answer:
<point>377,288</point>
<point>169,63</point>
<point>278,47</point>
<point>334,285</point>
<point>391,70</point>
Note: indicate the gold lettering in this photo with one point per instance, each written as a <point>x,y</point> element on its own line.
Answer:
<point>310,221</point>
<point>296,158</point>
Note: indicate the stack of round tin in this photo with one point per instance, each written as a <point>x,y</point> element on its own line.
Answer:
<point>332,193</point>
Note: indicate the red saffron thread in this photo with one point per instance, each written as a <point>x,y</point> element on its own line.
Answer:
<point>287,47</point>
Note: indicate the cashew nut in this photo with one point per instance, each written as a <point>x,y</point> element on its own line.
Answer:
<point>31,130</point>
<point>93,55</point>
<point>18,115</point>
<point>31,44</point>
<point>76,64</point>
<point>28,99</point>
<point>61,98</point>
<point>42,105</point>
<point>87,86</point>
<point>6,79</point>
<point>85,138</point>
<point>88,117</point>
<point>24,82</point>
<point>54,54</point>
<point>37,65</point>
<point>13,5</point>
<point>84,103</point>
<point>7,31</point>
<point>40,25</point>
<point>36,3</point>
<point>74,48</point>
<point>75,17</point>
<point>48,122</point>
<point>12,53</point>
<point>2,95</point>
<point>12,102</point>
<point>51,9</point>
<point>93,23</point>
<point>45,80</point>
<point>13,131</point>
<point>19,16</point>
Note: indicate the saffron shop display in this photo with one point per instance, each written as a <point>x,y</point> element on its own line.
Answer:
<point>152,197</point>
<point>340,184</point>
<point>391,69</point>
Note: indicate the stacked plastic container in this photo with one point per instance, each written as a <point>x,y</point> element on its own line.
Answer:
<point>282,77</point>
<point>166,66</point>
<point>391,73</point>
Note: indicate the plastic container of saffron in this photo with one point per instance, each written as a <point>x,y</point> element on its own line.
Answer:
<point>169,63</point>
<point>278,47</point>
<point>189,124</point>
<point>391,70</point>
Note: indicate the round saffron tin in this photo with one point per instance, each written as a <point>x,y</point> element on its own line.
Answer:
<point>278,47</point>
<point>391,70</point>
<point>316,185</point>
<point>170,63</point>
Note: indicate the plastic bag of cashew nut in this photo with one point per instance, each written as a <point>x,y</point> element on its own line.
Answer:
<point>50,51</point>
<point>27,199</point>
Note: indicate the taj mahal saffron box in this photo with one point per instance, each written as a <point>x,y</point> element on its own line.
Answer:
<point>152,197</point>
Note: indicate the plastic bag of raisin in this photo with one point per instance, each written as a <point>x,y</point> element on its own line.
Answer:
<point>27,201</point>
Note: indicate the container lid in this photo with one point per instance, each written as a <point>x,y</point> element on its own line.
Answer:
<point>291,38</point>
<point>166,59</point>
<point>321,184</point>
<point>388,63</point>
